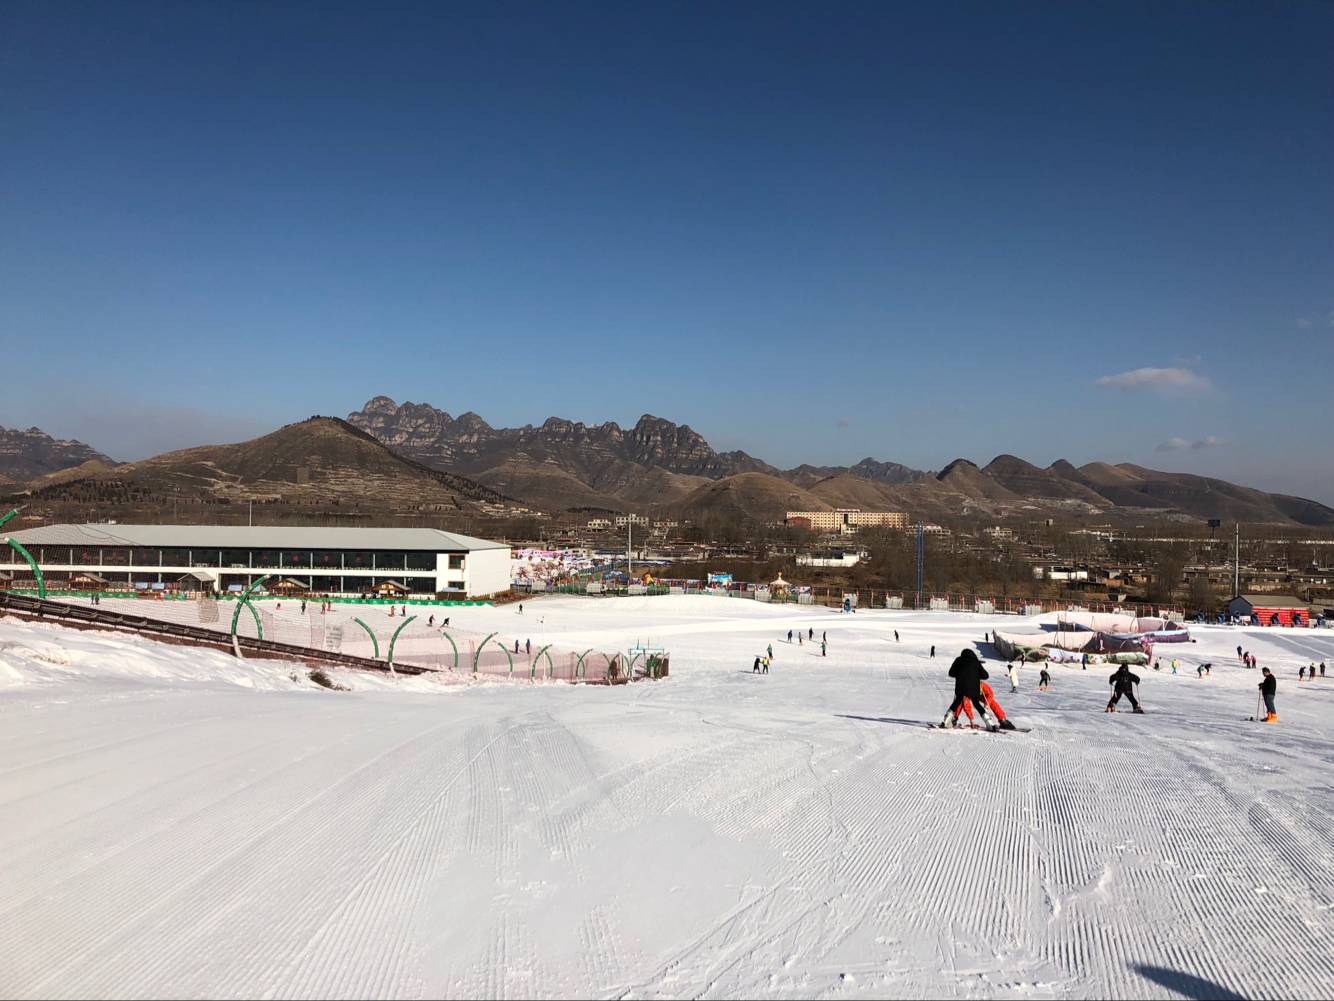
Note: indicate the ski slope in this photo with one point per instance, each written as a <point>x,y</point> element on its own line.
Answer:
<point>174,822</point>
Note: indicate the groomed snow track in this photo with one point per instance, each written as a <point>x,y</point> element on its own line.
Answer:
<point>90,616</point>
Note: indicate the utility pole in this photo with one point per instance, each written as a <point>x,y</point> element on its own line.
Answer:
<point>1236,564</point>
<point>921,559</point>
<point>629,554</point>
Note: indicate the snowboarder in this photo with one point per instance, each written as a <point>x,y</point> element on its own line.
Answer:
<point>968,674</point>
<point>445,623</point>
<point>1044,680</point>
<point>1268,688</point>
<point>933,651</point>
<point>1014,677</point>
<point>990,697</point>
<point>1123,683</point>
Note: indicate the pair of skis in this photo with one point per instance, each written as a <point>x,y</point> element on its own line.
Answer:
<point>1017,729</point>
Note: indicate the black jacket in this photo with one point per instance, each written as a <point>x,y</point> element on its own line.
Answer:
<point>968,672</point>
<point>1269,686</point>
<point>1123,679</point>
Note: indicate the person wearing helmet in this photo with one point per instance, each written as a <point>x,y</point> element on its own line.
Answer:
<point>968,674</point>
<point>1123,683</point>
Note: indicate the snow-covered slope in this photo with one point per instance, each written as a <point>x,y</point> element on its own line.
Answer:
<point>175,823</point>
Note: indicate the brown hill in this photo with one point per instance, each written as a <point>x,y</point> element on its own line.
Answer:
<point>320,462</point>
<point>561,463</point>
<point>26,455</point>
<point>749,497</point>
<point>847,490</point>
<point>1026,480</point>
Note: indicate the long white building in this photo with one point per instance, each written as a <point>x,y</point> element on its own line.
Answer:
<point>426,561</point>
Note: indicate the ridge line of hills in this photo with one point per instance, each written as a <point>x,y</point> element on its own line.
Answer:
<point>414,459</point>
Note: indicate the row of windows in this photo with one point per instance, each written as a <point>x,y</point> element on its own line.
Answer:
<point>316,582</point>
<point>282,559</point>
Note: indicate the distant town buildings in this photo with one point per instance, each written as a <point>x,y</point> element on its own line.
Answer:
<point>846,520</point>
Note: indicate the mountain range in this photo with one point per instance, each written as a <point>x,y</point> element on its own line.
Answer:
<point>396,459</point>
<point>670,468</point>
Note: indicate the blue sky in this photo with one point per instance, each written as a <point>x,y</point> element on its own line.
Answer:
<point>814,232</point>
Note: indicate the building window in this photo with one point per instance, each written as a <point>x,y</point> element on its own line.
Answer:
<point>298,558</point>
<point>422,585</point>
<point>421,561</point>
<point>116,557</point>
<point>147,557</point>
<point>204,557</point>
<point>175,557</point>
<point>455,561</point>
<point>328,559</point>
<point>357,561</point>
<point>391,561</point>
<point>236,559</point>
<point>264,558</point>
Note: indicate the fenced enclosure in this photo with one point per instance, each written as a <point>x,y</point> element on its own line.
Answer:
<point>391,633</point>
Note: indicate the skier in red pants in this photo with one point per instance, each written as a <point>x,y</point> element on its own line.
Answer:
<point>992,704</point>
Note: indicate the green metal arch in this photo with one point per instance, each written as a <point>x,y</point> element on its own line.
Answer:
<point>477,654</point>
<point>455,647</point>
<point>18,548</point>
<point>551,665</point>
<point>375,644</point>
<point>610,660</point>
<point>394,639</point>
<point>630,668</point>
<point>244,601</point>
<point>579,670</point>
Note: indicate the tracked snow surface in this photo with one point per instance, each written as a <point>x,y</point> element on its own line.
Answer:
<point>177,823</point>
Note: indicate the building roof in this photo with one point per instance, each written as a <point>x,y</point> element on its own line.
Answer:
<point>1272,600</point>
<point>251,537</point>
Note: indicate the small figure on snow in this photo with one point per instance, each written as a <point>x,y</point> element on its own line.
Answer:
<point>1044,680</point>
<point>933,651</point>
<point>756,668</point>
<point>1301,673</point>
<point>1123,683</point>
<point>822,648</point>
<point>789,635</point>
<point>1268,688</point>
<point>1013,672</point>
<point>990,696</point>
<point>968,674</point>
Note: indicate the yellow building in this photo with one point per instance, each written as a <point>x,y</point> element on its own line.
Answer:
<point>845,520</point>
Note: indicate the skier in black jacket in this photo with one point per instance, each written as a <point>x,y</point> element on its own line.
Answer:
<point>1123,683</point>
<point>1268,688</point>
<point>968,674</point>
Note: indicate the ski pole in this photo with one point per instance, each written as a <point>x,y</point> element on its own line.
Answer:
<point>1257,705</point>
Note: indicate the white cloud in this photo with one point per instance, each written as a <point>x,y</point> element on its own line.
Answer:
<point>1179,444</point>
<point>1173,444</point>
<point>1161,380</point>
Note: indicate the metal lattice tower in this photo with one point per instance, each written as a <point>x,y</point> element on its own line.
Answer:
<point>921,560</point>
